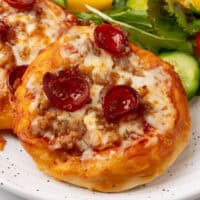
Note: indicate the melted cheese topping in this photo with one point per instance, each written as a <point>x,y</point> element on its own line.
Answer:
<point>7,59</point>
<point>98,133</point>
<point>35,89</point>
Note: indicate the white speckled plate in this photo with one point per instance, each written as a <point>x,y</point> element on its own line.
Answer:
<point>19,175</point>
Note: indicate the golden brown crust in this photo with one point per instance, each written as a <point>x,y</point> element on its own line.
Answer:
<point>2,143</point>
<point>6,63</point>
<point>6,117</point>
<point>137,165</point>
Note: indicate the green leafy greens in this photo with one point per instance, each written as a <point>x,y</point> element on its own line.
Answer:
<point>119,4</point>
<point>163,23</point>
<point>90,17</point>
<point>62,3</point>
<point>135,18</point>
<point>146,39</point>
<point>187,20</point>
<point>137,4</point>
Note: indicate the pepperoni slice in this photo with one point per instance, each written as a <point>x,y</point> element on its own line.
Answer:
<point>4,30</point>
<point>112,39</point>
<point>21,4</point>
<point>15,77</point>
<point>119,101</point>
<point>68,90</point>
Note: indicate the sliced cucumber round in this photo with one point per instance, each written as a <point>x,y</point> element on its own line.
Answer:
<point>137,4</point>
<point>187,68</point>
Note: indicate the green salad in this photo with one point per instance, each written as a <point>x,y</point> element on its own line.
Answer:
<point>164,27</point>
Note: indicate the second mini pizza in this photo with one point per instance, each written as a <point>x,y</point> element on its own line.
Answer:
<point>24,31</point>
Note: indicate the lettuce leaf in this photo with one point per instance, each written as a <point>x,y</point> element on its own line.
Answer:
<point>163,23</point>
<point>62,3</point>
<point>90,17</point>
<point>187,20</point>
<point>133,17</point>
<point>119,4</point>
<point>137,4</point>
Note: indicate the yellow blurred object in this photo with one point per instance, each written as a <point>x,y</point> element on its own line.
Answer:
<point>138,4</point>
<point>79,5</point>
<point>188,3</point>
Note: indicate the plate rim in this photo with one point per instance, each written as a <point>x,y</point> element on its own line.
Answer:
<point>26,195</point>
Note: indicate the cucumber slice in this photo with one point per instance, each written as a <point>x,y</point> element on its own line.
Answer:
<point>187,68</point>
<point>137,4</point>
<point>62,3</point>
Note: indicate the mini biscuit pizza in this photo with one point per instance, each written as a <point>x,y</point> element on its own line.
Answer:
<point>98,112</point>
<point>26,27</point>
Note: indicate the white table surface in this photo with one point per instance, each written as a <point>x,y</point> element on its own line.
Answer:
<point>7,196</point>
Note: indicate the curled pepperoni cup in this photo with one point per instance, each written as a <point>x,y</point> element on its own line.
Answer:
<point>15,77</point>
<point>4,30</point>
<point>119,101</point>
<point>21,4</point>
<point>67,90</point>
<point>112,39</point>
